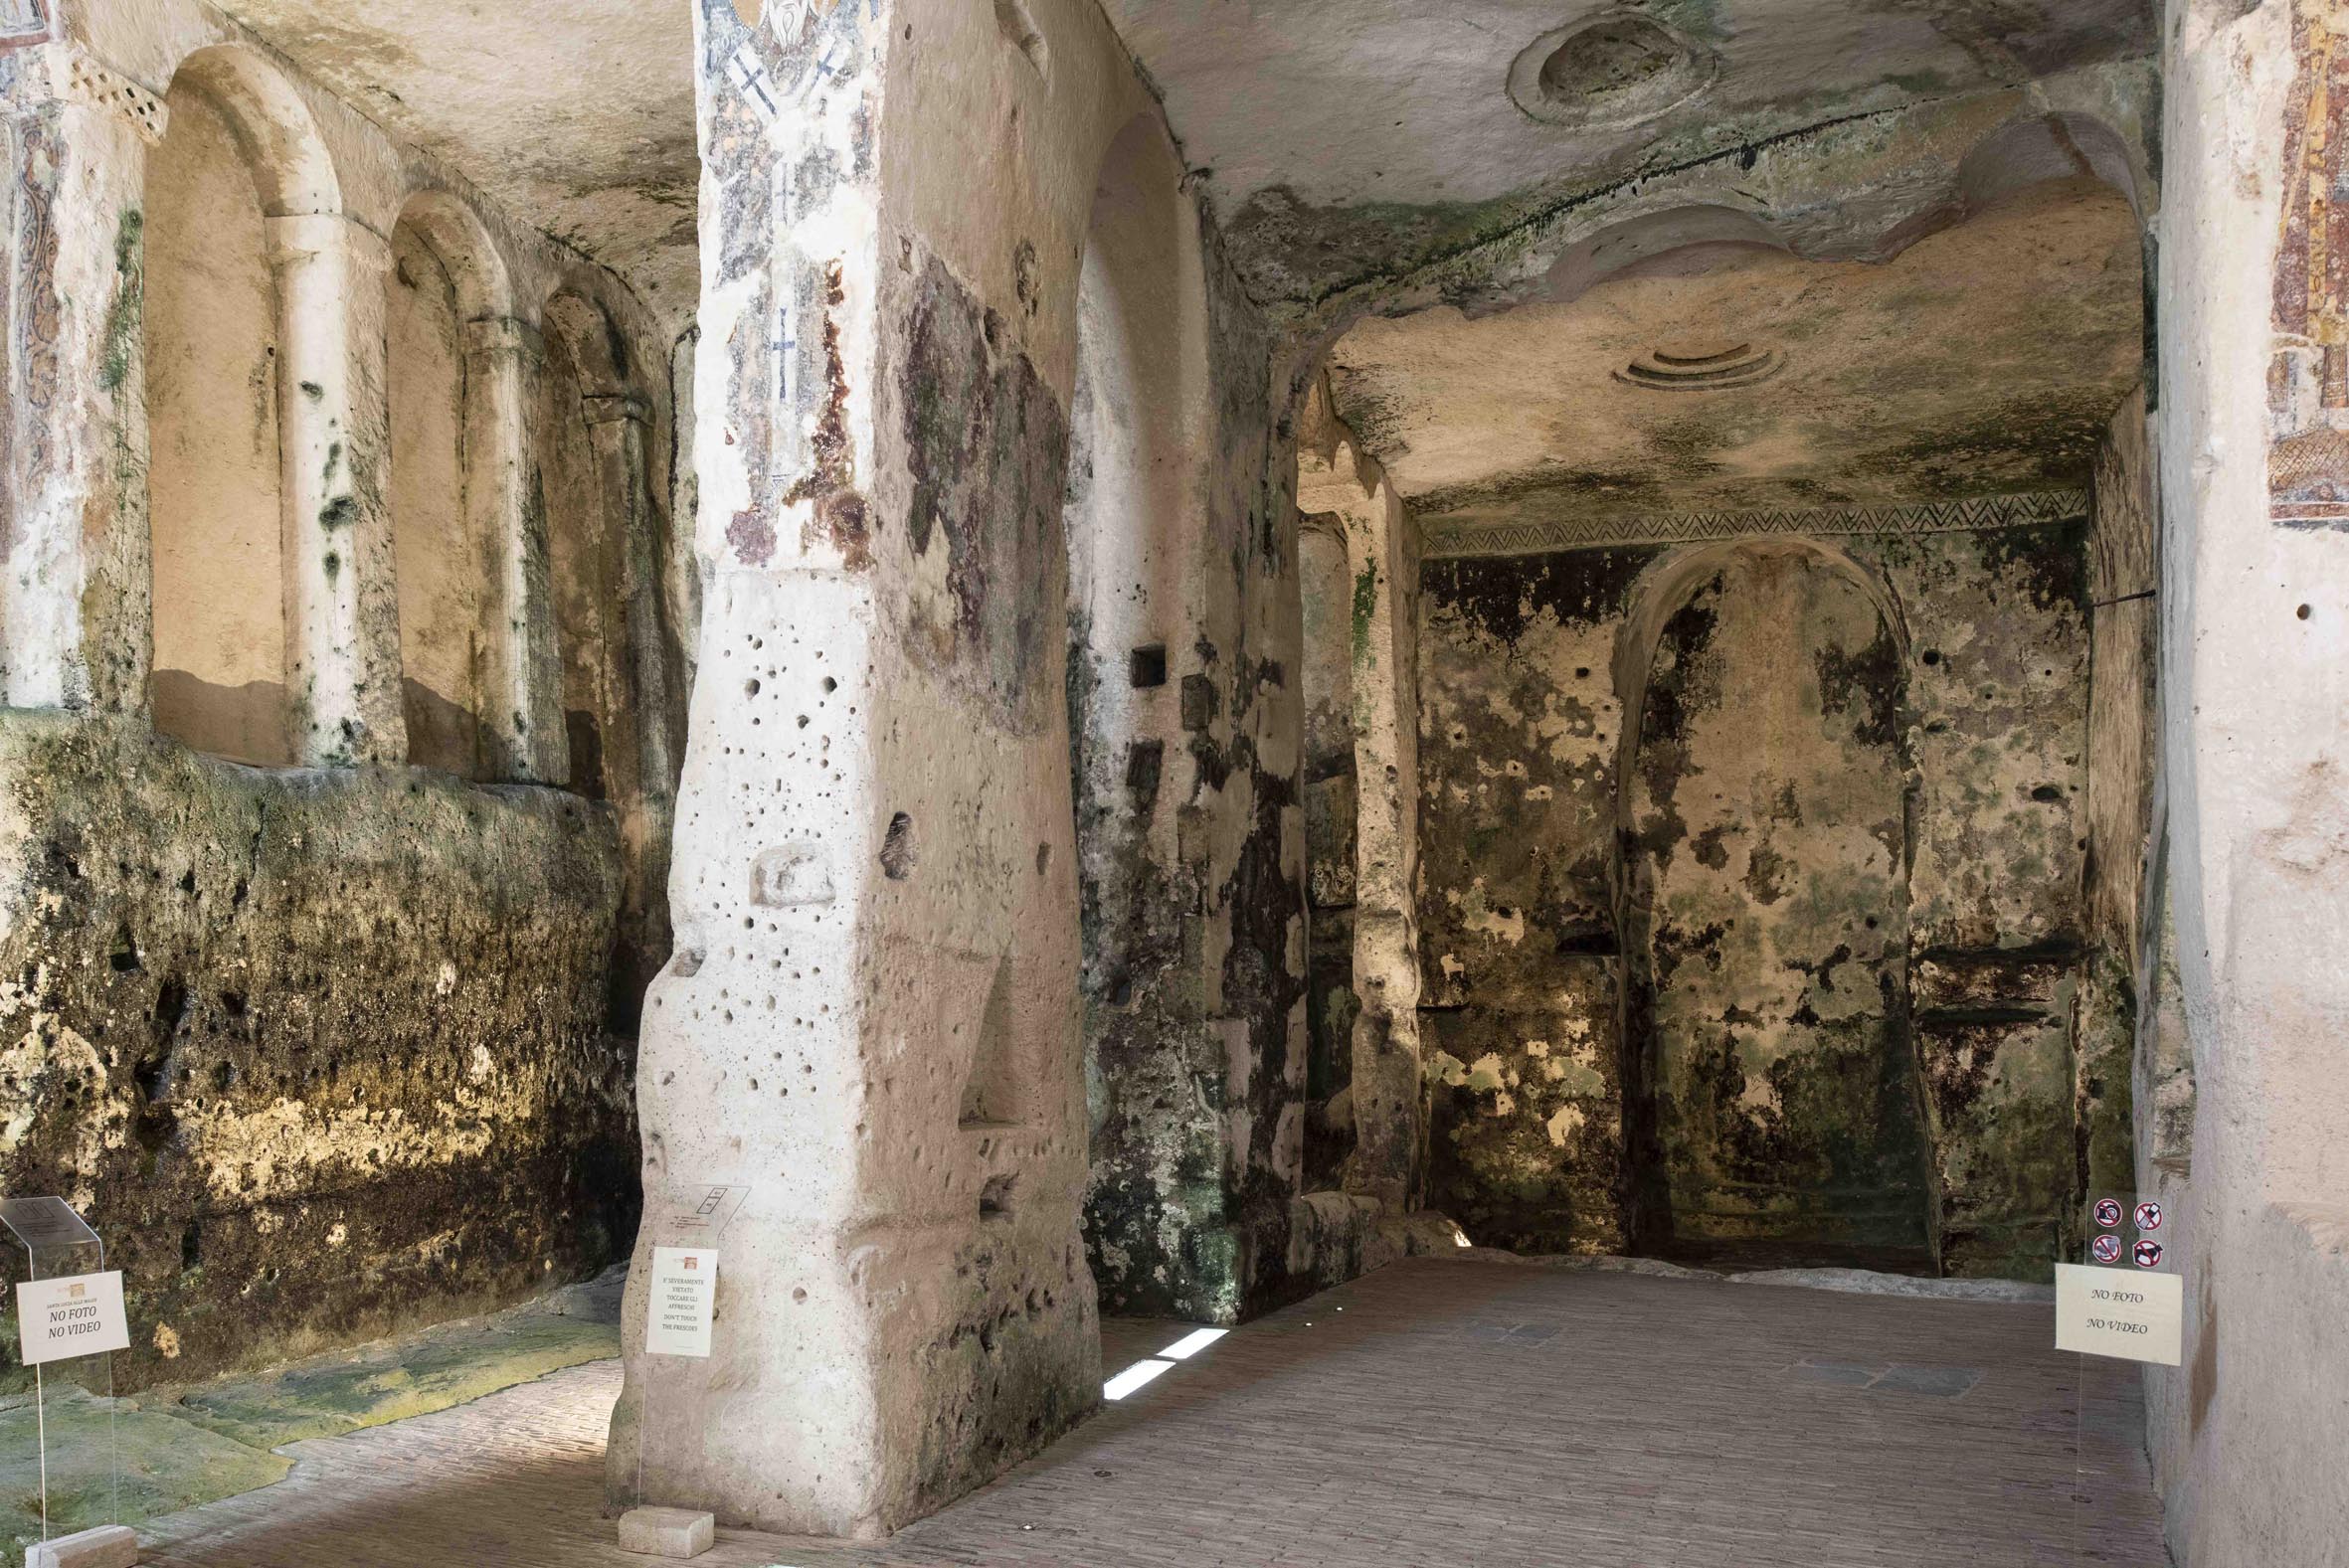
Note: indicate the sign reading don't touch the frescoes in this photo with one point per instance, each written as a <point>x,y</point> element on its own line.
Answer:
<point>683,1308</point>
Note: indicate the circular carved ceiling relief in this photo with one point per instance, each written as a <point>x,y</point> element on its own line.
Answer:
<point>1702,368</point>
<point>1614,71</point>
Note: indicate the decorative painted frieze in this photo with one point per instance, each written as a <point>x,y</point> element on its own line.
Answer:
<point>1502,538</point>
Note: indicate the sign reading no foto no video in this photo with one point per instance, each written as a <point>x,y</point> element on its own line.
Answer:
<point>75,1314</point>
<point>2128,1301</point>
<point>2134,1316</point>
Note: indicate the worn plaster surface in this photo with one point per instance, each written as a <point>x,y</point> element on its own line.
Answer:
<point>578,114</point>
<point>1358,142</point>
<point>1984,359</point>
<point>1567,1079</point>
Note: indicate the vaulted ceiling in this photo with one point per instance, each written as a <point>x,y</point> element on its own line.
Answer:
<point>1342,136</point>
<point>576,115</point>
<point>1985,358</point>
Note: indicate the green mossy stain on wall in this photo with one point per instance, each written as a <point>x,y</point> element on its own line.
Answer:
<point>125,312</point>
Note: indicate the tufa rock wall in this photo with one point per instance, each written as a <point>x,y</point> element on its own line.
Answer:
<point>1562,915</point>
<point>321,1054</point>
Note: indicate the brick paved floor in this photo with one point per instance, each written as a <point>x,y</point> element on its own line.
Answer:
<point>1439,1412</point>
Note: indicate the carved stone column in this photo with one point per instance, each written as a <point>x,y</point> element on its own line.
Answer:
<point>341,601</point>
<point>506,507</point>
<point>870,1022</point>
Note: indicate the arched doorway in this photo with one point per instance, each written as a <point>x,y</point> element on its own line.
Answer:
<point>1774,1107</point>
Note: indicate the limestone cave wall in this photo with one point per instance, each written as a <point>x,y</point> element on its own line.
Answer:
<point>1559,1109</point>
<point>322,944</point>
<point>1198,1073</point>
<point>1333,813</point>
<point>321,1054</point>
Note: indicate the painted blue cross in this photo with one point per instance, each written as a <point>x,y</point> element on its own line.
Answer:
<point>750,77</point>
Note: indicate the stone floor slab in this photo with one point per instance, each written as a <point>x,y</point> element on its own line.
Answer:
<point>1658,1428</point>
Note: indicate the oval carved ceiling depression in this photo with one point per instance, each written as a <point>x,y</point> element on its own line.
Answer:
<point>1985,359</point>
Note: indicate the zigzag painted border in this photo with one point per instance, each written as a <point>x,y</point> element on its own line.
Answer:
<point>1927,517</point>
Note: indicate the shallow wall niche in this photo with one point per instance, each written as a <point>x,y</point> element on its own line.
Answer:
<point>595,441</point>
<point>1332,814</point>
<point>443,567</point>
<point>1774,1099</point>
<point>212,354</point>
<point>1135,689</point>
<point>583,550</point>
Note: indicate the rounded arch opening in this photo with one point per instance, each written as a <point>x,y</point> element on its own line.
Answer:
<point>1132,518</point>
<point>1680,238</point>
<point>241,150</point>
<point>2037,149</point>
<point>445,274</point>
<point>274,128</point>
<point>1765,789</point>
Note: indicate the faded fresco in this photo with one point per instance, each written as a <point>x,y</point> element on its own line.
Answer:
<point>2308,373</point>
<point>23,22</point>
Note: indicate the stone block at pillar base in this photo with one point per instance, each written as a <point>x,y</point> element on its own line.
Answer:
<point>666,1532</point>
<point>108,1546</point>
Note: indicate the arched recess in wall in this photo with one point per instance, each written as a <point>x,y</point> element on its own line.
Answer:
<point>1772,1097</point>
<point>444,274</point>
<point>584,387</point>
<point>241,150</point>
<point>599,444</point>
<point>1131,521</point>
<point>1675,239</point>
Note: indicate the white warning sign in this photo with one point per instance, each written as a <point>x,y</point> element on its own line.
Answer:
<point>683,1304</point>
<point>2136,1316</point>
<point>73,1314</point>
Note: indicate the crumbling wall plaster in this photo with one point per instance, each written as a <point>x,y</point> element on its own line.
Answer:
<point>1522,687</point>
<point>1521,962</point>
<point>1332,818</point>
<point>1764,898</point>
<point>2255,647</point>
<point>2120,976</point>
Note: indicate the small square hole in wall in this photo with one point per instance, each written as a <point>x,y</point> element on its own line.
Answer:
<point>995,1198</point>
<point>1147,667</point>
<point>1020,29</point>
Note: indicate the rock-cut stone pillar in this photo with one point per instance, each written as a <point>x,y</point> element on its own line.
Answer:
<point>508,507</point>
<point>341,602</point>
<point>867,1036</point>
